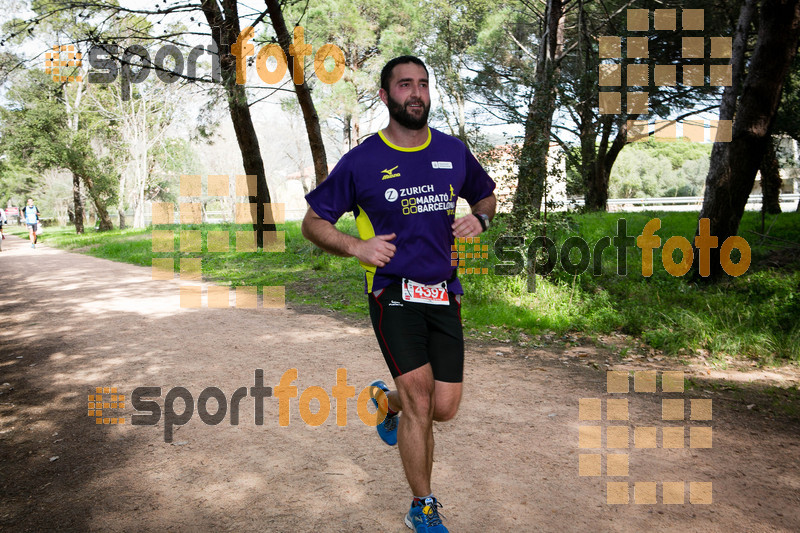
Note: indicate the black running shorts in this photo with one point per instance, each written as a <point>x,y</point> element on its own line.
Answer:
<point>412,334</point>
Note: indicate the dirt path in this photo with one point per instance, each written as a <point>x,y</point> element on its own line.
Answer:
<point>509,461</point>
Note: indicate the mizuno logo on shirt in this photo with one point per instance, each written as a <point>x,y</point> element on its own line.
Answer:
<point>390,173</point>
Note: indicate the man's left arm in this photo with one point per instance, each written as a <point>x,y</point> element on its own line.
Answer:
<point>470,225</point>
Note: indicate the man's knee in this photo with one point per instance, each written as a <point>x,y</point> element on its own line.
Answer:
<point>416,393</point>
<point>443,413</point>
<point>418,402</point>
<point>444,416</point>
<point>447,399</point>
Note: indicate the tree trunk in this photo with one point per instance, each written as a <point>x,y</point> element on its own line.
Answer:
<point>770,180</point>
<point>224,31</point>
<point>104,220</point>
<point>353,118</point>
<point>73,117</point>
<point>533,168</point>
<point>599,168</point>
<point>596,198</point>
<point>77,202</point>
<point>734,164</point>
<point>595,177</point>
<point>357,126</point>
<point>137,147</point>
<point>595,183</point>
<point>462,126</point>
<point>303,95</point>
<point>121,201</point>
<point>596,161</point>
<point>347,134</point>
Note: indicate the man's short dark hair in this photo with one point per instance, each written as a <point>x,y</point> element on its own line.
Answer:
<point>386,73</point>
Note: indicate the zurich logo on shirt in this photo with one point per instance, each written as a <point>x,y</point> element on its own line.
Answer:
<point>391,194</point>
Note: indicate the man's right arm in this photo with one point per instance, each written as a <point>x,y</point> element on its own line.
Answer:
<point>376,251</point>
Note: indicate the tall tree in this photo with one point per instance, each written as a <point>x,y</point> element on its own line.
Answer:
<point>73,105</point>
<point>224,25</point>
<point>225,31</point>
<point>140,124</point>
<point>787,123</point>
<point>66,26</point>
<point>787,120</point>
<point>369,33</point>
<point>301,89</point>
<point>602,137</point>
<point>35,132</point>
<point>770,180</point>
<point>734,164</point>
<point>533,165</point>
<point>452,34</point>
<point>139,116</point>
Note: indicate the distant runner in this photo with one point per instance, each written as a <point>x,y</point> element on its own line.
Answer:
<point>3,222</point>
<point>31,214</point>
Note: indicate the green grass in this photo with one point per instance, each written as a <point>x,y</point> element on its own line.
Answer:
<point>310,277</point>
<point>753,316</point>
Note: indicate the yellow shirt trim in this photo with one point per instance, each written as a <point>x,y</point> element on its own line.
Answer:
<point>404,149</point>
<point>366,231</point>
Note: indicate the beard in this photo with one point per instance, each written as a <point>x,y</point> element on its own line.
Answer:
<point>399,112</point>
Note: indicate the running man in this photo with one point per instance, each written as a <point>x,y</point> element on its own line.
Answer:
<point>31,214</point>
<point>402,185</point>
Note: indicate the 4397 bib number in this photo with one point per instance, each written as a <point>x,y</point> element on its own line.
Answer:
<point>426,294</point>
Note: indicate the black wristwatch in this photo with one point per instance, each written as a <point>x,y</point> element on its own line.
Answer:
<point>483,219</point>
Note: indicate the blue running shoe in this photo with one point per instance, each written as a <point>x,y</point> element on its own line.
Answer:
<point>387,430</point>
<point>425,518</point>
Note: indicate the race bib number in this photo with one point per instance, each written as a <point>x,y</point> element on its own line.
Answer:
<point>426,294</point>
